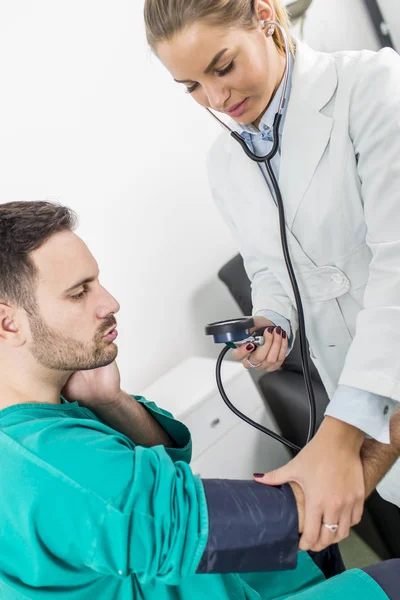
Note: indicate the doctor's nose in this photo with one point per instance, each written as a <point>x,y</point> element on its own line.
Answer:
<point>218,97</point>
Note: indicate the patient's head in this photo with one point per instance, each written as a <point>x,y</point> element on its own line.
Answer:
<point>52,306</point>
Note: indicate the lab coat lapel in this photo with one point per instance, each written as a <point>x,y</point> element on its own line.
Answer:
<point>306,130</point>
<point>249,190</point>
<point>254,207</point>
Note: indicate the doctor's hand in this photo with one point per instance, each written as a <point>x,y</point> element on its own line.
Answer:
<point>330,472</point>
<point>94,388</point>
<point>268,357</point>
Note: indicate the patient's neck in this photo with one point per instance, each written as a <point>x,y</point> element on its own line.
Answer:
<point>29,382</point>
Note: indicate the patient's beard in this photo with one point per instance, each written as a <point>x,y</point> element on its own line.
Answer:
<point>55,351</point>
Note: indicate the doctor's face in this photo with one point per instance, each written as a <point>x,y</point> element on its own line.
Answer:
<point>233,71</point>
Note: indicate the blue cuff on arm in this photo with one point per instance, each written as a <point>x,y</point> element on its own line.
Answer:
<point>252,527</point>
<point>368,412</point>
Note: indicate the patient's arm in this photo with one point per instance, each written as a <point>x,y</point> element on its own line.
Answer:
<point>130,417</point>
<point>377,459</point>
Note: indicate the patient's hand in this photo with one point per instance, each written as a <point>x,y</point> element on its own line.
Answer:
<point>299,496</point>
<point>94,388</point>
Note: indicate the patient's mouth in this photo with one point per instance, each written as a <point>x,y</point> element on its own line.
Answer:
<point>112,335</point>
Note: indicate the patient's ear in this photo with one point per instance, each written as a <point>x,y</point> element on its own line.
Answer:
<point>10,328</point>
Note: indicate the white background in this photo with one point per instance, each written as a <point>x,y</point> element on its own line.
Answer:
<point>89,118</point>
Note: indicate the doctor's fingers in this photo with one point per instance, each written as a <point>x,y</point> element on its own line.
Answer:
<point>312,525</point>
<point>277,352</point>
<point>243,351</point>
<point>328,537</point>
<point>261,353</point>
<point>283,351</point>
<point>357,513</point>
<point>257,353</point>
<point>268,357</point>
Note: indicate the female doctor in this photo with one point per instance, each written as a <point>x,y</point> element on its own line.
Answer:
<point>338,167</point>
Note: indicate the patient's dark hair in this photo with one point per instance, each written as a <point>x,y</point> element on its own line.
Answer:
<point>25,227</point>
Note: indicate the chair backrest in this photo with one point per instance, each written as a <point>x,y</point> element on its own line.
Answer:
<point>297,8</point>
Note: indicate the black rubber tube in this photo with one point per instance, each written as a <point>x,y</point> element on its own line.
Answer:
<point>239,414</point>
<point>299,305</point>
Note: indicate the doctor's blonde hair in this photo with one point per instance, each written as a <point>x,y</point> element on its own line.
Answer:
<point>165,18</point>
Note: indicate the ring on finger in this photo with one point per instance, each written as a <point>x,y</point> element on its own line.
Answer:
<point>251,364</point>
<point>332,528</point>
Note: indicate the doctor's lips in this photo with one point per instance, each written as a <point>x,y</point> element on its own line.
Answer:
<point>236,110</point>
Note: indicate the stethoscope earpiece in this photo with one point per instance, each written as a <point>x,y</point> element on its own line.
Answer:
<point>270,30</point>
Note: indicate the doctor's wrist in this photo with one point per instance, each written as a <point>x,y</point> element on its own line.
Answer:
<point>341,434</point>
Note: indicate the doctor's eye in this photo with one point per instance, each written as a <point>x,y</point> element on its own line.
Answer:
<point>190,89</point>
<point>225,71</point>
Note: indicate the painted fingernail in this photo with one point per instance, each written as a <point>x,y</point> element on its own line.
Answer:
<point>270,329</point>
<point>249,347</point>
<point>278,330</point>
<point>284,334</point>
<point>258,475</point>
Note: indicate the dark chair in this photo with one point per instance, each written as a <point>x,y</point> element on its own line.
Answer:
<point>285,393</point>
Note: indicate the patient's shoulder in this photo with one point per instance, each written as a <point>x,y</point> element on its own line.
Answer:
<point>73,444</point>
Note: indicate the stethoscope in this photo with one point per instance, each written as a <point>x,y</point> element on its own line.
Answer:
<point>237,330</point>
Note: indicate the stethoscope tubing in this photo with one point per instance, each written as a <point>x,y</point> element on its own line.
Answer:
<point>286,253</point>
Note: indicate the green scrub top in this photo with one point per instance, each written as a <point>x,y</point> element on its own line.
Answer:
<point>85,513</point>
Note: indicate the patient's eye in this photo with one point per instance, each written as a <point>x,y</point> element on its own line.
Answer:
<point>79,296</point>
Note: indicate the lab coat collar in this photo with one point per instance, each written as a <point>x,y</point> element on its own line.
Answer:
<point>306,130</point>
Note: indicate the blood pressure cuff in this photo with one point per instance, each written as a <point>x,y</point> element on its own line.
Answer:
<point>253,528</point>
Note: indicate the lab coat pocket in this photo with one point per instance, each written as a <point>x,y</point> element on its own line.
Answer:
<point>326,325</point>
<point>358,295</point>
<point>356,266</point>
<point>319,289</point>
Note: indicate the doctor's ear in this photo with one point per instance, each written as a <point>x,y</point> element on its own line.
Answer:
<point>10,327</point>
<point>264,11</point>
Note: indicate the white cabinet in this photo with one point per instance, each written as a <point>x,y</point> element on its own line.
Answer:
<point>241,452</point>
<point>223,445</point>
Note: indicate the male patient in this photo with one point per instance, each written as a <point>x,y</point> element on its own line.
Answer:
<point>97,497</point>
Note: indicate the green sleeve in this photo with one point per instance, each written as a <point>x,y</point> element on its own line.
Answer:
<point>176,430</point>
<point>157,530</point>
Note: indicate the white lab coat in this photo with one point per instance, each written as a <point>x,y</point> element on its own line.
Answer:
<point>340,182</point>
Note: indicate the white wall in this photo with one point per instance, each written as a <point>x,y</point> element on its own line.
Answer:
<point>89,118</point>
<point>333,25</point>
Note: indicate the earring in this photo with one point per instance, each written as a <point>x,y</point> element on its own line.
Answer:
<point>262,23</point>
<point>271,30</point>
